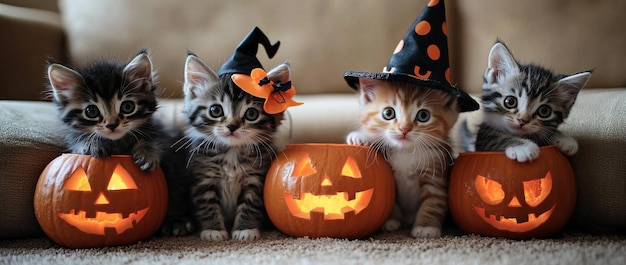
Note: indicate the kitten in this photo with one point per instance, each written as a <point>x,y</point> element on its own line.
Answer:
<point>232,143</point>
<point>409,124</point>
<point>107,107</point>
<point>523,106</point>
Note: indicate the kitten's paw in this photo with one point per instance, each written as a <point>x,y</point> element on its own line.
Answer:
<point>146,161</point>
<point>246,234</point>
<point>426,232</point>
<point>354,138</point>
<point>214,235</point>
<point>523,153</point>
<point>176,227</point>
<point>391,225</point>
<point>567,145</point>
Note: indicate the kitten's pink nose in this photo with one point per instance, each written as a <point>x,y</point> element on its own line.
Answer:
<point>405,131</point>
<point>112,126</point>
<point>522,122</point>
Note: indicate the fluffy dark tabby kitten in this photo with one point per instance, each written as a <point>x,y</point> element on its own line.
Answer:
<point>232,143</point>
<point>523,105</point>
<point>409,124</point>
<point>107,107</point>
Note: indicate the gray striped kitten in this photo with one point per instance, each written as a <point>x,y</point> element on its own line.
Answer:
<point>107,107</point>
<point>409,124</point>
<point>232,143</point>
<point>524,104</point>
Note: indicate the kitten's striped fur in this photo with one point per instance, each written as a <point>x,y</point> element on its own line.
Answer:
<point>523,105</point>
<point>409,124</point>
<point>232,143</point>
<point>107,107</point>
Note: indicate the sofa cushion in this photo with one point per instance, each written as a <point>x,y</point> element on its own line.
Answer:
<point>30,137</point>
<point>568,36</point>
<point>322,39</point>
<point>598,122</point>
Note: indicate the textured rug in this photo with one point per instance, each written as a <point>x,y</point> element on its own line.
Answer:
<point>381,248</point>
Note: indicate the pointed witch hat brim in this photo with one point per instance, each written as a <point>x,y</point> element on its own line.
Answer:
<point>421,57</point>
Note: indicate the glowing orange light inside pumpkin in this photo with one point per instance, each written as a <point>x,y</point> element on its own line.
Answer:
<point>535,192</point>
<point>120,180</point>
<point>351,168</point>
<point>333,206</point>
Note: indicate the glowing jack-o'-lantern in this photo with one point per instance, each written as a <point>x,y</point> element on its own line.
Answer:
<point>333,190</point>
<point>81,201</point>
<point>493,195</point>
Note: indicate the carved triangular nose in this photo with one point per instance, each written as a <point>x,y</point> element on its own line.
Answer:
<point>514,202</point>
<point>101,199</point>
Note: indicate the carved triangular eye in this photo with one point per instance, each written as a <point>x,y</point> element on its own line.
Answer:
<point>78,181</point>
<point>536,191</point>
<point>121,180</point>
<point>351,168</point>
<point>490,191</point>
<point>303,167</point>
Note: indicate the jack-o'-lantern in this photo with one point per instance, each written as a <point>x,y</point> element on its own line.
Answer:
<point>493,195</point>
<point>329,190</point>
<point>81,201</point>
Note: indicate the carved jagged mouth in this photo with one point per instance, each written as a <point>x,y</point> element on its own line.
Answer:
<point>102,220</point>
<point>333,206</point>
<point>512,224</point>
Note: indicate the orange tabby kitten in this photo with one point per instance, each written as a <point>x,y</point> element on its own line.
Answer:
<point>409,124</point>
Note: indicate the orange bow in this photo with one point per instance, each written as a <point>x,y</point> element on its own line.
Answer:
<point>277,95</point>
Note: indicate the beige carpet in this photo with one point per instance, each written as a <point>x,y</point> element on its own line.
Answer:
<point>382,248</point>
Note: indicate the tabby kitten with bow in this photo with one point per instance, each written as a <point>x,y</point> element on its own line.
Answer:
<point>107,108</point>
<point>232,142</point>
<point>523,106</point>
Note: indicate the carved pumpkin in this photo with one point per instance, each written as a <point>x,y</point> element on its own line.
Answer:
<point>82,202</point>
<point>329,190</point>
<point>493,195</point>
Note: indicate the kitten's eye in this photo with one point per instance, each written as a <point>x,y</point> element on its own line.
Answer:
<point>510,102</point>
<point>251,114</point>
<point>544,111</point>
<point>216,111</point>
<point>423,115</point>
<point>92,111</point>
<point>127,107</point>
<point>389,113</point>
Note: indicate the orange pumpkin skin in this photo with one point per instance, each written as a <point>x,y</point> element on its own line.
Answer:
<point>86,202</point>
<point>304,177</point>
<point>527,200</point>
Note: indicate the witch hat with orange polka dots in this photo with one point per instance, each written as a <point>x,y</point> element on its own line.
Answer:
<point>421,57</point>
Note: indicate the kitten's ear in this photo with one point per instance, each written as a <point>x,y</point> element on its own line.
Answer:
<point>367,89</point>
<point>281,73</point>
<point>569,86</point>
<point>501,63</point>
<point>140,68</point>
<point>64,81</point>
<point>199,77</point>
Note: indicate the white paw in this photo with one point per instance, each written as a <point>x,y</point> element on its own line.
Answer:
<point>426,232</point>
<point>246,234</point>
<point>354,138</point>
<point>567,145</point>
<point>214,235</point>
<point>391,225</point>
<point>523,153</point>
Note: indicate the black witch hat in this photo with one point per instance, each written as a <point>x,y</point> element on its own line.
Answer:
<point>421,57</point>
<point>244,58</point>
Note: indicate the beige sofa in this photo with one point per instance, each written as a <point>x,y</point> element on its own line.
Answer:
<point>322,39</point>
